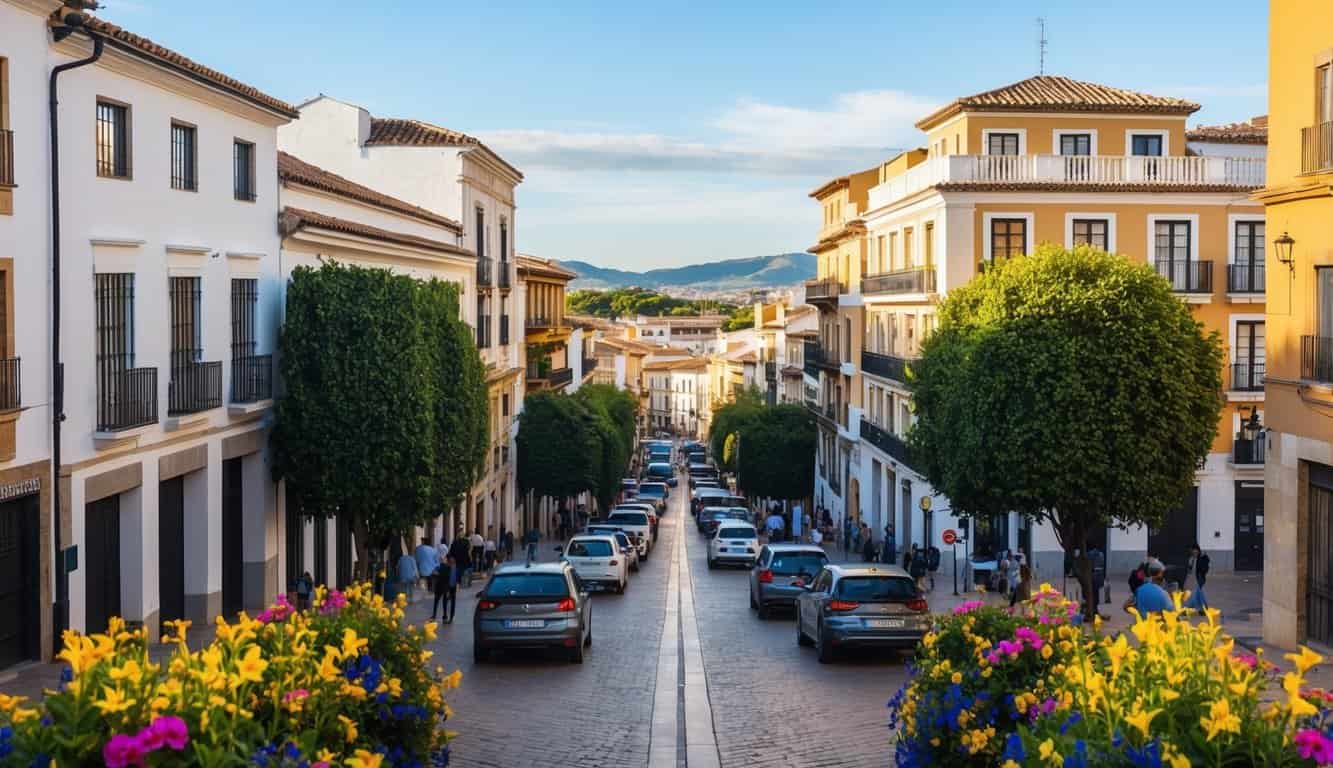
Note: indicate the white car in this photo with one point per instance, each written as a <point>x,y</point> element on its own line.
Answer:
<point>626,543</point>
<point>597,561</point>
<point>734,543</point>
<point>635,523</point>
<point>641,506</point>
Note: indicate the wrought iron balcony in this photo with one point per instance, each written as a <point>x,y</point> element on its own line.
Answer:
<point>126,398</point>
<point>1187,276</point>
<point>1247,377</point>
<point>542,322</point>
<point>194,387</point>
<point>886,441</point>
<point>6,158</point>
<point>771,370</point>
<point>810,369</point>
<point>560,376</point>
<point>817,355</point>
<point>503,277</point>
<point>485,272</point>
<point>1245,278</point>
<point>884,366</point>
<point>1317,148</point>
<point>1248,451</point>
<point>251,378</point>
<point>915,280</point>
<point>823,289</point>
<point>10,395</point>
<point>483,331</point>
<point>504,329</point>
<point>589,365</point>
<point>1317,358</point>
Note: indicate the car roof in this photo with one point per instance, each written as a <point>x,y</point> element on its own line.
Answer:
<point>659,464</point>
<point>655,484</point>
<point>777,548</point>
<point>634,506</point>
<point>737,524</point>
<point>627,512</point>
<point>843,571</point>
<point>720,491</point>
<point>596,536</point>
<point>558,566</point>
<point>724,506</point>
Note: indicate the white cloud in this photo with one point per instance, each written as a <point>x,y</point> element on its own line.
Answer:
<point>861,119</point>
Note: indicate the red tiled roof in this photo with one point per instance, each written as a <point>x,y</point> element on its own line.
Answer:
<point>545,267</point>
<point>291,168</point>
<point>1253,131</point>
<point>142,46</point>
<point>1052,93</point>
<point>403,132</point>
<point>291,219</point>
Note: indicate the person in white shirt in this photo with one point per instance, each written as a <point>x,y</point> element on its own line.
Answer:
<point>775,525</point>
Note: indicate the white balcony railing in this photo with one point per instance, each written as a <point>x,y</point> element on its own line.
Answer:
<point>1241,173</point>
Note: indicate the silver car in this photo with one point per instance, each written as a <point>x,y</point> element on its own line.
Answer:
<point>774,575</point>
<point>543,605</point>
<point>860,606</point>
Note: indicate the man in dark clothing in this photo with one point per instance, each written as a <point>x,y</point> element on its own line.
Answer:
<point>446,588</point>
<point>461,552</point>
<point>1200,563</point>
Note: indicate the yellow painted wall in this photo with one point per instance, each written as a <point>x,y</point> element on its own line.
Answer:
<point>967,132</point>
<point>1132,241</point>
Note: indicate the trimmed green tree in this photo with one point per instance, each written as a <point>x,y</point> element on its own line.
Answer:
<point>613,413</point>
<point>777,453</point>
<point>559,448</point>
<point>1071,387</point>
<point>728,419</point>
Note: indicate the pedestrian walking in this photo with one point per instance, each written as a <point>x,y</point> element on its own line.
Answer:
<point>1023,589</point>
<point>1198,566</point>
<point>1151,596</point>
<point>408,575</point>
<point>919,570</point>
<point>305,584</point>
<point>1014,575</point>
<point>461,551</point>
<point>816,538</point>
<point>867,544</point>
<point>490,549</point>
<point>428,561</point>
<point>446,589</point>
<point>531,538</point>
<point>507,543</point>
<point>888,551</point>
<point>478,545</point>
<point>774,525</point>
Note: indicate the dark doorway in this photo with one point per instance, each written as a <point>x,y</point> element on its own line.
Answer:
<point>321,573</point>
<point>1171,543</point>
<point>1319,555</point>
<point>20,601</point>
<point>905,508</point>
<point>342,550</point>
<point>171,547</point>
<point>233,549</point>
<point>101,522</point>
<point>295,543</point>
<point>1249,525</point>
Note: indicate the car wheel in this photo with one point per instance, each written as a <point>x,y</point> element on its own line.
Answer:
<point>824,650</point>
<point>587,641</point>
<point>763,612</point>
<point>620,587</point>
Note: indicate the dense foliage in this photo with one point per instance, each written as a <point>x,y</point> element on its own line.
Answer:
<point>770,448</point>
<point>568,444</point>
<point>383,416</point>
<point>628,302</point>
<point>728,418</point>
<point>1071,387</point>
<point>343,683</point>
<point>1038,688</point>
<point>740,320</point>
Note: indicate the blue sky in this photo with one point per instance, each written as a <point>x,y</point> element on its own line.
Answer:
<point>657,134</point>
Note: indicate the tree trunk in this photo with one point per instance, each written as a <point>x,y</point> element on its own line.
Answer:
<point>362,536</point>
<point>1084,566</point>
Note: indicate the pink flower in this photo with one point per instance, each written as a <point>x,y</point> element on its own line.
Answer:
<point>290,696</point>
<point>320,764</point>
<point>335,601</point>
<point>123,750</point>
<point>1314,745</point>
<point>151,740</point>
<point>967,607</point>
<point>172,730</point>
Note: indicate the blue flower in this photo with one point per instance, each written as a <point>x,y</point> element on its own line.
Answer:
<point>1073,719</point>
<point>1013,749</point>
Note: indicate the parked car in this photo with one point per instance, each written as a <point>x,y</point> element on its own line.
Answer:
<point>627,547</point>
<point>700,497</point>
<point>643,506</point>
<point>629,488</point>
<point>860,606</point>
<point>660,472</point>
<point>636,524</point>
<point>774,576</point>
<point>597,560</point>
<point>655,493</point>
<point>723,499</point>
<point>712,516</point>
<point>735,543</point>
<point>543,605</point>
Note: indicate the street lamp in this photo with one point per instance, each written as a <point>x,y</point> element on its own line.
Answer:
<point>1282,247</point>
<point>1251,428</point>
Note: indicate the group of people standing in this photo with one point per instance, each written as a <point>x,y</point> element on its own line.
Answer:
<point>1147,584</point>
<point>444,567</point>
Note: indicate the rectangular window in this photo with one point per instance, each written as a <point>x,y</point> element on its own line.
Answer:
<point>1002,144</point>
<point>907,248</point>
<point>183,157</point>
<point>891,263</point>
<point>1323,94</point>
<point>880,245</point>
<point>929,244</point>
<point>504,240</point>
<point>244,306</point>
<point>1247,274</point>
<point>1091,232</point>
<point>1076,144</point>
<point>1325,283</point>
<point>186,343</point>
<point>115,322</point>
<point>483,324</point>
<point>113,140</point>
<point>1146,145</point>
<point>1172,253</point>
<point>1008,238</point>
<point>481,234</point>
<point>243,164</point>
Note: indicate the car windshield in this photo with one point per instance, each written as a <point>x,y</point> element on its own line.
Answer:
<point>588,548</point>
<point>652,489</point>
<point>875,588</point>
<point>629,518</point>
<point>794,563</point>
<point>528,585</point>
<point>733,513</point>
<point>660,470</point>
<point>736,533</point>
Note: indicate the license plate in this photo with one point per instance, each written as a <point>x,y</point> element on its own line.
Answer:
<point>886,623</point>
<point>524,624</point>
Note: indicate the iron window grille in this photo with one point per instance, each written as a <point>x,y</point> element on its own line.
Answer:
<point>113,140</point>
<point>243,163</point>
<point>184,158</point>
<point>127,396</point>
<point>244,304</point>
<point>186,343</point>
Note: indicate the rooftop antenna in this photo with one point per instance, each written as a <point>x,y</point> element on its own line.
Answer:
<point>1041,45</point>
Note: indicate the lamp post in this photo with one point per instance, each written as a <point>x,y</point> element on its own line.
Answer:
<point>1282,247</point>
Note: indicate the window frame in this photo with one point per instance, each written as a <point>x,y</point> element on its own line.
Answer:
<point>988,236</point>
<point>1323,90</point>
<point>244,317</point>
<point>1058,135</point>
<point>251,194</point>
<point>193,152</point>
<point>127,139</point>
<point>1108,217</point>
<point>1020,136</point>
<point>1155,218</point>
<point>1162,134</point>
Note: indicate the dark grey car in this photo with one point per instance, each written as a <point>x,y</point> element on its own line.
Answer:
<point>860,606</point>
<point>542,605</point>
<point>773,577</point>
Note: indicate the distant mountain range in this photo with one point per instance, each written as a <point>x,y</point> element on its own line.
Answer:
<point>778,270</point>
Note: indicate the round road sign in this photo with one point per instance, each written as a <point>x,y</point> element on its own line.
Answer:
<point>950,536</point>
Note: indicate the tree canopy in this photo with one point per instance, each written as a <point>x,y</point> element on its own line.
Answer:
<point>568,444</point>
<point>776,453</point>
<point>728,418</point>
<point>382,419</point>
<point>1068,386</point>
<point>626,302</point>
<point>743,318</point>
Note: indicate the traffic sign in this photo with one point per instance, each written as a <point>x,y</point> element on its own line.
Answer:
<point>949,536</point>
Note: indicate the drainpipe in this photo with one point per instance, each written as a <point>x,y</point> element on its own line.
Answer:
<point>60,611</point>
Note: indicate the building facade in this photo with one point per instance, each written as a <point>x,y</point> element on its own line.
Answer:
<point>1298,200</point>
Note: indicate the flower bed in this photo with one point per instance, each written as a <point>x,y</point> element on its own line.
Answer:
<point>1036,688</point>
<point>343,683</point>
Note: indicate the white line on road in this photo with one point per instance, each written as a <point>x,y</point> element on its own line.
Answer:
<point>662,745</point>
<point>700,740</point>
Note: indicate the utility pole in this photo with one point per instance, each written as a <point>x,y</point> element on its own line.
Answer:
<point>1041,45</point>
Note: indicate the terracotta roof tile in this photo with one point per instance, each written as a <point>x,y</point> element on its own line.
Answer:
<point>546,267</point>
<point>402,132</point>
<point>1052,93</point>
<point>291,219</point>
<point>1253,131</point>
<point>124,39</point>
<point>294,169</point>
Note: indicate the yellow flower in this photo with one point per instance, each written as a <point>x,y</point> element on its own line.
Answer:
<point>8,702</point>
<point>1142,720</point>
<point>325,756</point>
<point>1304,660</point>
<point>352,645</point>
<point>20,715</point>
<point>114,701</point>
<point>1169,695</point>
<point>1116,652</point>
<point>364,759</point>
<point>1220,719</point>
<point>1046,651</point>
<point>1048,753</point>
<point>1178,760</point>
<point>1010,764</point>
<point>130,670</point>
<point>428,629</point>
<point>956,678</point>
<point>349,727</point>
<point>453,680</point>
<point>252,665</point>
<point>1291,683</point>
